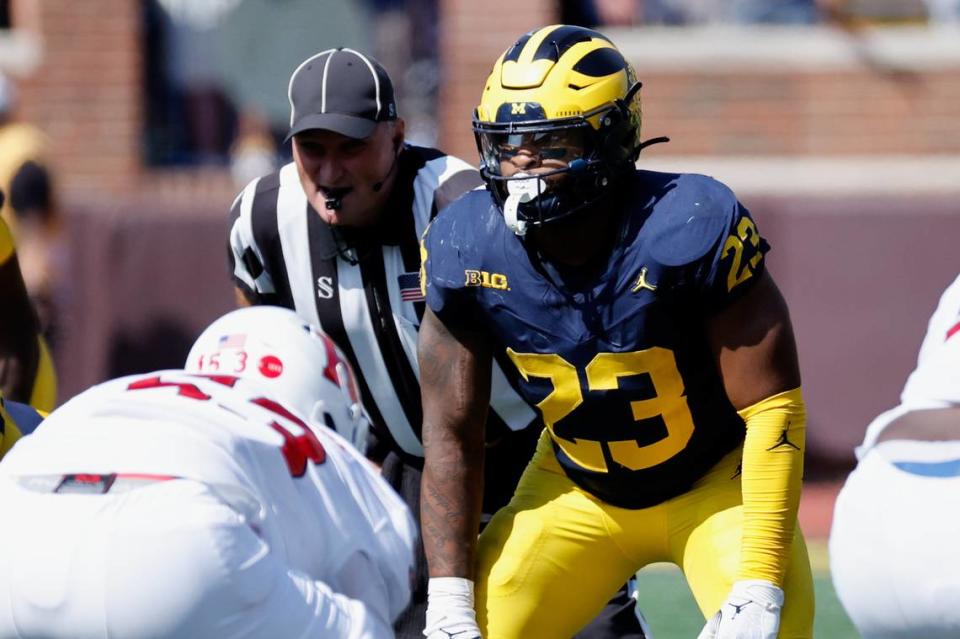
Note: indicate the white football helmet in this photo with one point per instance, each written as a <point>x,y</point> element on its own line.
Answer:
<point>291,360</point>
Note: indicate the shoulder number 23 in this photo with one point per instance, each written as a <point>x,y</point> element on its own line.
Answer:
<point>603,373</point>
<point>746,232</point>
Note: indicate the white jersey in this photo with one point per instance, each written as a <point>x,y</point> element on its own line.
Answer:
<point>893,553</point>
<point>894,556</point>
<point>313,499</point>
<point>935,382</point>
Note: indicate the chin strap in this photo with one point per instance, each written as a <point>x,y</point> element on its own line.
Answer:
<point>640,147</point>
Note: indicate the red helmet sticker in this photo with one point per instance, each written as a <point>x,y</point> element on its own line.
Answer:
<point>271,366</point>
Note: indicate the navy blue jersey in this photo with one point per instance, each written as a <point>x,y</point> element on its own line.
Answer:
<point>619,363</point>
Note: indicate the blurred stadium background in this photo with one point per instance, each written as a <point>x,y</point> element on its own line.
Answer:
<point>836,121</point>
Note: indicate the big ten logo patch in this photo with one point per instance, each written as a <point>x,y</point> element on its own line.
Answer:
<point>486,280</point>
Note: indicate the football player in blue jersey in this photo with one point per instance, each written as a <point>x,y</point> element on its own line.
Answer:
<point>26,368</point>
<point>16,420</point>
<point>640,320</point>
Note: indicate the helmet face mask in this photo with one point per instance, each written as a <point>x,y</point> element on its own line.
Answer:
<point>561,113</point>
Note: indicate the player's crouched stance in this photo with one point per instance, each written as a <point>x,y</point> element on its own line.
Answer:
<point>179,504</point>
<point>639,318</point>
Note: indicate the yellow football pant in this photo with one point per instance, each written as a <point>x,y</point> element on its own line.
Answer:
<point>550,560</point>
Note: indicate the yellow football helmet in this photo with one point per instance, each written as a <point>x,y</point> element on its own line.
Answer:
<point>566,95</point>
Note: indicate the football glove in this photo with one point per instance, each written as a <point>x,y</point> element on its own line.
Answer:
<point>751,611</point>
<point>450,613</point>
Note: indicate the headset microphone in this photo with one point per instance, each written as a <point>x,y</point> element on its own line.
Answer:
<point>396,156</point>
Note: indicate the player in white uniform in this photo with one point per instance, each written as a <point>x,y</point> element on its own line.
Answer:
<point>894,551</point>
<point>175,504</point>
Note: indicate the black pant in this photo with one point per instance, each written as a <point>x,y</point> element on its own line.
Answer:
<point>405,479</point>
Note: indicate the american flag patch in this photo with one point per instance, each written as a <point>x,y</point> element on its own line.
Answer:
<point>410,287</point>
<point>232,341</point>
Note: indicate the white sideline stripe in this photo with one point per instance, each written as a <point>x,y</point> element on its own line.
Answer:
<point>294,74</point>
<point>323,90</point>
<point>373,72</point>
<point>858,175</point>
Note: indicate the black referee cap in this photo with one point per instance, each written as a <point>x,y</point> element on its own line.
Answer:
<point>340,90</point>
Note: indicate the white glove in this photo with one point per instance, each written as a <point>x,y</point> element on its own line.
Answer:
<point>450,613</point>
<point>751,611</point>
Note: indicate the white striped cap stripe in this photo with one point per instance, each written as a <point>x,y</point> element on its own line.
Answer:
<point>294,75</point>
<point>373,72</point>
<point>323,89</point>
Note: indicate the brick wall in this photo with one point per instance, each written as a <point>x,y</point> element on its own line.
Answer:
<point>768,93</point>
<point>86,91</point>
<point>842,113</point>
<point>744,92</point>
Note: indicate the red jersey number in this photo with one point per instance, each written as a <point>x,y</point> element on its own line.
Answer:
<point>296,449</point>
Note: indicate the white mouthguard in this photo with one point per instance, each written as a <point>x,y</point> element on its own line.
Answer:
<point>521,188</point>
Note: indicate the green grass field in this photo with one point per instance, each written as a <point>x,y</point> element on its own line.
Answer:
<point>669,607</point>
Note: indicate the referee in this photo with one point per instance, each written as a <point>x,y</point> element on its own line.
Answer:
<point>335,236</point>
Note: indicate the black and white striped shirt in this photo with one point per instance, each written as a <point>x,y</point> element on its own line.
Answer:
<point>363,292</point>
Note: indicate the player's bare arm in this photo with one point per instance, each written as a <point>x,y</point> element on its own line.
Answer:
<point>455,382</point>
<point>753,343</point>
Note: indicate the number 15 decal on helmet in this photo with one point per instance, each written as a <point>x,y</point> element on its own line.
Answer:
<point>558,125</point>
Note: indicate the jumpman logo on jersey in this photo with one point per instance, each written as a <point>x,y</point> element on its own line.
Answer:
<point>642,282</point>
<point>783,441</point>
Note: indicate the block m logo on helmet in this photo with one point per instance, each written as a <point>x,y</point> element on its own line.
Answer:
<point>520,112</point>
